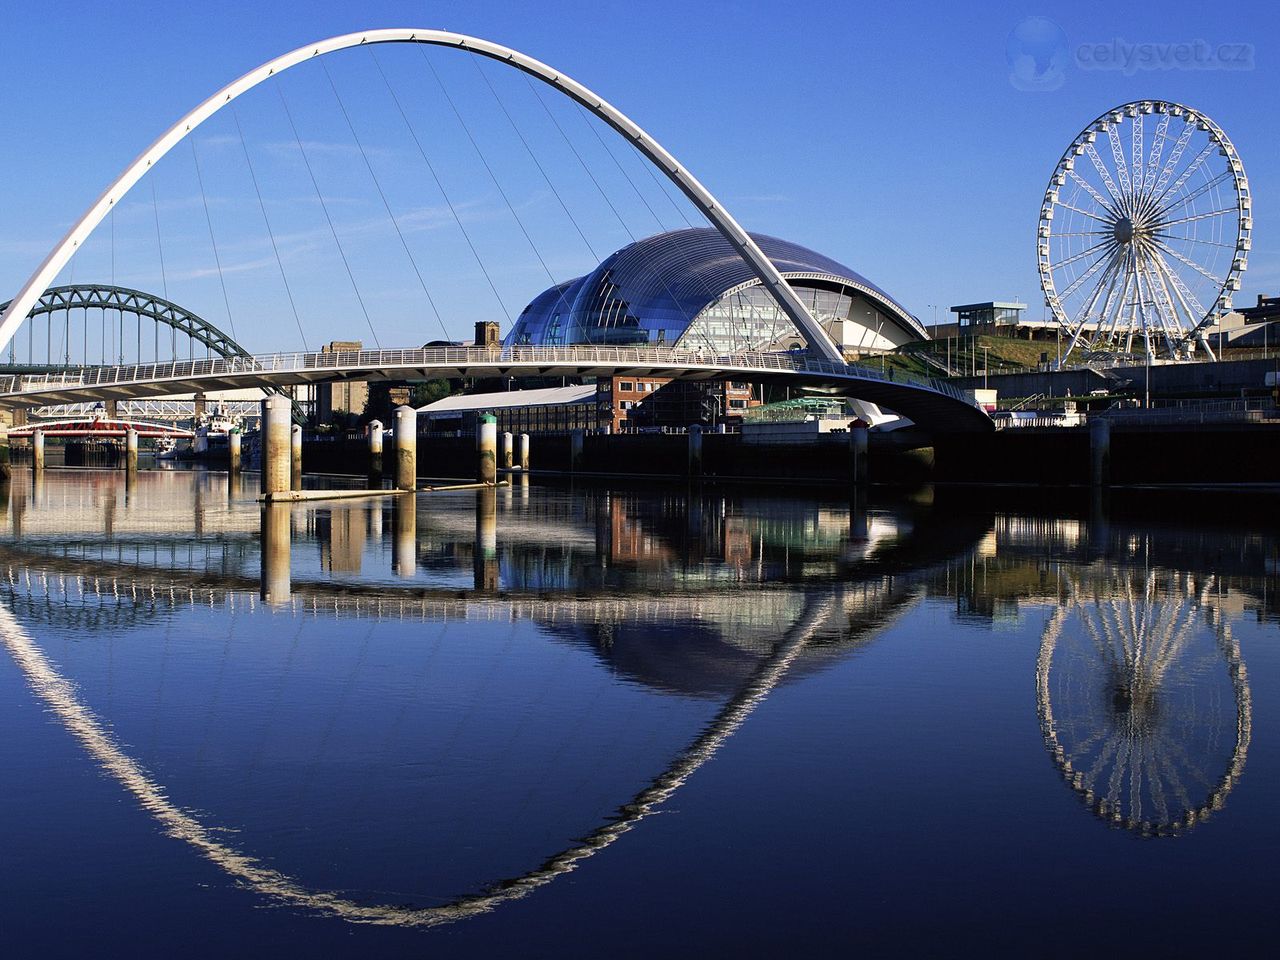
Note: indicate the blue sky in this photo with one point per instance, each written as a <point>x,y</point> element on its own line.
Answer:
<point>889,137</point>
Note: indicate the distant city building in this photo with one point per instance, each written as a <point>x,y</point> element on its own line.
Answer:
<point>690,289</point>
<point>347,396</point>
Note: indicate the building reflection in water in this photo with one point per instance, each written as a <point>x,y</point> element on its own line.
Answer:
<point>1142,694</point>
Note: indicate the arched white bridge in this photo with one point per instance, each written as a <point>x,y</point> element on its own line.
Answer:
<point>819,343</point>
<point>931,404</point>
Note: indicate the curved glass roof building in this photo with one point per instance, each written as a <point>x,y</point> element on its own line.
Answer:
<point>690,289</point>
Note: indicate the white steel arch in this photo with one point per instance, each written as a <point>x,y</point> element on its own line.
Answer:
<point>769,275</point>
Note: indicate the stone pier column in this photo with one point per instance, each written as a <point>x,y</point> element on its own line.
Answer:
<point>506,451</point>
<point>131,450</point>
<point>522,451</point>
<point>295,456</point>
<point>487,448</point>
<point>37,450</point>
<point>276,586</point>
<point>576,440</point>
<point>405,438</point>
<point>486,546</point>
<point>233,451</point>
<point>858,441</point>
<point>275,441</point>
<point>1099,452</point>
<point>375,448</point>
<point>695,451</point>
<point>4,457</point>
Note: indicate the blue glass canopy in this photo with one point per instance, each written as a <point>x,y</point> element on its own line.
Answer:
<point>649,292</point>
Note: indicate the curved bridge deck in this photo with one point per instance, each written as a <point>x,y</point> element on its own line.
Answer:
<point>932,404</point>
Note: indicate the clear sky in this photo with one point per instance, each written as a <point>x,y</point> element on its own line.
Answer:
<point>892,137</point>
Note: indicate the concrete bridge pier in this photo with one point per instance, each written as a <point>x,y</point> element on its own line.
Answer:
<point>1099,452</point>
<point>576,440</point>
<point>486,546</point>
<point>4,456</point>
<point>276,536</point>
<point>276,414</point>
<point>131,450</point>
<point>37,450</point>
<point>295,456</point>
<point>111,409</point>
<point>522,451</point>
<point>404,536</point>
<point>695,452</point>
<point>405,438</point>
<point>487,449</point>
<point>233,451</point>
<point>858,442</point>
<point>506,451</point>
<point>375,449</point>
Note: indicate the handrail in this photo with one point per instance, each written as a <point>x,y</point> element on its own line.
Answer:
<point>447,357</point>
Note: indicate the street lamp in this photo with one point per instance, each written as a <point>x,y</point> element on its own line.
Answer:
<point>986,365</point>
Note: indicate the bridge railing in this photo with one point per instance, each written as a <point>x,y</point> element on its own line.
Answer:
<point>461,357</point>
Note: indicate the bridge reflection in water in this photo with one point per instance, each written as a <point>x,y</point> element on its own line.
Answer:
<point>501,684</point>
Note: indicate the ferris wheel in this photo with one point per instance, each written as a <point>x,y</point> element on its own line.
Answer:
<point>1145,708</point>
<point>1144,231</point>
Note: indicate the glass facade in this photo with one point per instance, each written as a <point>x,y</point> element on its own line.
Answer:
<point>691,289</point>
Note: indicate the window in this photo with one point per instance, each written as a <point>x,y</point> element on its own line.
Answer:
<point>737,404</point>
<point>626,385</point>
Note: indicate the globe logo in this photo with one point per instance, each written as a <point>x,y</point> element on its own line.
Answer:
<point>1037,55</point>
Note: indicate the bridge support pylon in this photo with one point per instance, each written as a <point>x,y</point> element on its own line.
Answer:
<point>1099,452</point>
<point>277,412</point>
<point>506,451</point>
<point>858,443</point>
<point>405,437</point>
<point>37,450</point>
<point>295,456</point>
<point>233,451</point>
<point>487,448</point>
<point>522,451</point>
<point>131,450</point>
<point>695,452</point>
<point>375,449</point>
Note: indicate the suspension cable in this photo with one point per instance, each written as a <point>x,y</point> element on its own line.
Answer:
<point>383,196</point>
<point>226,300</point>
<point>492,176</point>
<point>537,163</point>
<point>440,186</point>
<point>325,207</point>
<point>715,296</point>
<point>155,209</point>
<point>605,196</point>
<point>270,234</point>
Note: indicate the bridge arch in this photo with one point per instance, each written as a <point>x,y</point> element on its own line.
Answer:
<point>106,296</point>
<point>721,219</point>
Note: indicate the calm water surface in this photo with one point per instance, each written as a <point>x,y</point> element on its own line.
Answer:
<point>630,721</point>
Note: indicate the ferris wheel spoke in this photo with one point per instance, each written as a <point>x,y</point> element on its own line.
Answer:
<point>1153,158</point>
<point>1117,154</point>
<point>1082,254</point>
<point>1136,140</point>
<point>1196,194</point>
<point>1187,261</point>
<point>1198,216</point>
<point>1116,194</point>
<point>1192,167</point>
<point>1091,300</point>
<point>1086,213</point>
<point>1079,281</point>
<point>1092,191</point>
<point>1175,155</point>
<point>1196,313</point>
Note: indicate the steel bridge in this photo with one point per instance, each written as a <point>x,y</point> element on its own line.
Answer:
<point>930,403</point>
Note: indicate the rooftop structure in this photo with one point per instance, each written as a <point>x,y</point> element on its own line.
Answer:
<point>690,289</point>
